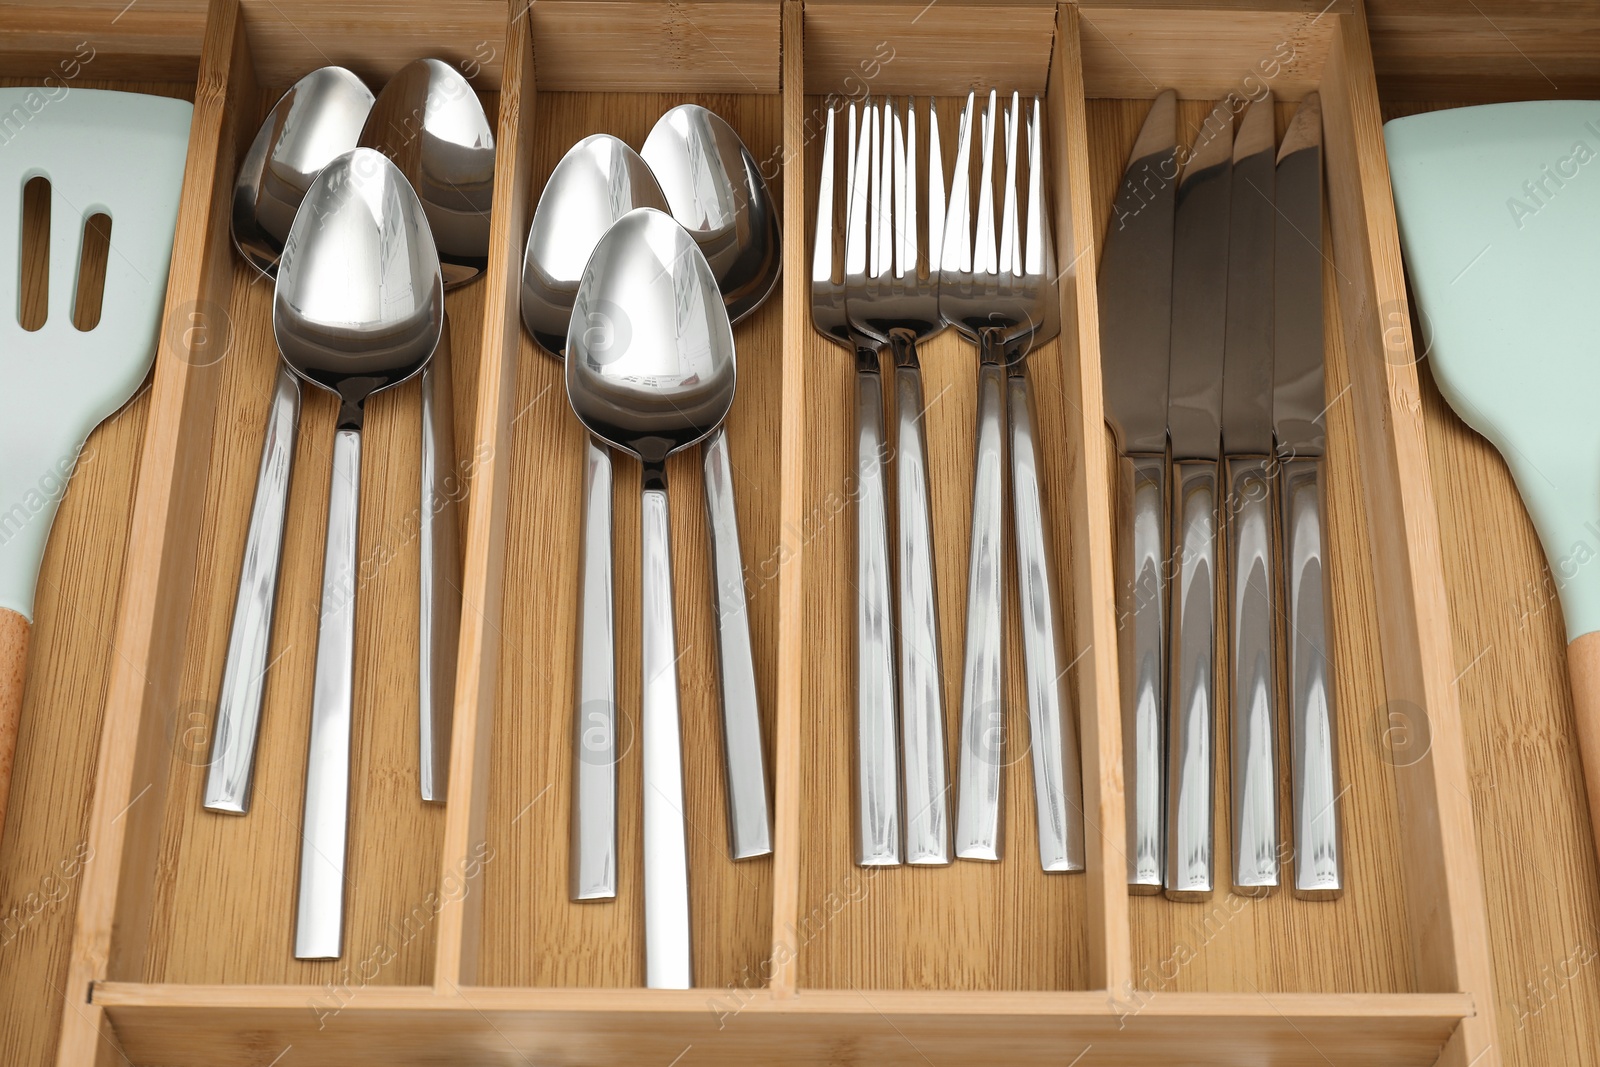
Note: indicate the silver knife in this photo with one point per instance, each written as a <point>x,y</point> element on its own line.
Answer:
<point>1194,424</point>
<point>1247,446</point>
<point>1135,340</point>
<point>1298,405</point>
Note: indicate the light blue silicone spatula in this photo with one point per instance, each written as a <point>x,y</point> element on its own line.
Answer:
<point>1499,210</point>
<point>110,153</point>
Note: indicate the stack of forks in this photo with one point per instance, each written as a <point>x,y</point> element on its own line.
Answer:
<point>1004,299</point>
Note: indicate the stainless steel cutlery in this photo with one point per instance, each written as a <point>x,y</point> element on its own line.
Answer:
<point>1211,302</point>
<point>1298,405</point>
<point>1000,293</point>
<point>715,189</point>
<point>1135,349</point>
<point>892,304</point>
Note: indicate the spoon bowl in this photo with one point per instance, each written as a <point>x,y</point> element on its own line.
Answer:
<point>430,123</point>
<point>717,193</point>
<point>320,117</point>
<point>650,370</point>
<point>359,307</point>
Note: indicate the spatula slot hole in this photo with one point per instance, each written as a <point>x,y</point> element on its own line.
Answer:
<point>34,296</point>
<point>96,250</point>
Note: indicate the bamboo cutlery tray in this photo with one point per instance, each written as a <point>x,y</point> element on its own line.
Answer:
<point>461,943</point>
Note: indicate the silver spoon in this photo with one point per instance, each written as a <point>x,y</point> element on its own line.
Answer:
<point>718,195</point>
<point>359,307</point>
<point>599,180</point>
<point>318,118</point>
<point>430,123</point>
<point>650,370</point>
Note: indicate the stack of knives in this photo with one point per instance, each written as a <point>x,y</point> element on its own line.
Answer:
<point>1212,357</point>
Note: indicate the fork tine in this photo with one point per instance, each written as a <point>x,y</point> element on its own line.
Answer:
<point>855,231</point>
<point>1039,255</point>
<point>935,192</point>
<point>850,160</point>
<point>1010,245</point>
<point>822,250</point>
<point>905,189</point>
<point>984,260</point>
<point>957,250</point>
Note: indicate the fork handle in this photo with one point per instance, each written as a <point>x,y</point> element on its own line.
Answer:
<point>877,749</point>
<point>1318,865</point>
<point>922,704</point>
<point>1052,730</point>
<point>1141,639</point>
<point>979,828</point>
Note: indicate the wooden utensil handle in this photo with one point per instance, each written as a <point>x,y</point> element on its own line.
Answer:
<point>1583,664</point>
<point>14,634</point>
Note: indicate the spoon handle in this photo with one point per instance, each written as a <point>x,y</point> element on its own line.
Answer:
<point>440,589</point>
<point>1052,727</point>
<point>233,739</point>
<point>666,853</point>
<point>593,871</point>
<point>979,828</point>
<point>319,924</point>
<point>749,823</point>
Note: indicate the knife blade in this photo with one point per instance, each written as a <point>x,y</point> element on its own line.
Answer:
<point>1298,406</point>
<point>1135,305</point>
<point>1194,423</point>
<point>1247,447</point>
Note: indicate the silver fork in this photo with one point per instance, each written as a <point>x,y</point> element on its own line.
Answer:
<point>877,750</point>
<point>889,301</point>
<point>1006,301</point>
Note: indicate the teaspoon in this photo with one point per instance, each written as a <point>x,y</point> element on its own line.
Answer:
<point>657,376</point>
<point>598,181</point>
<point>318,118</point>
<point>718,195</point>
<point>359,307</point>
<point>431,124</point>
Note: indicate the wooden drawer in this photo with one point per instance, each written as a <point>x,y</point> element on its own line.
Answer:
<point>462,942</point>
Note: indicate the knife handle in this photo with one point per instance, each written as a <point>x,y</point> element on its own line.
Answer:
<point>1052,729</point>
<point>927,787</point>
<point>1192,708</point>
<point>1253,686</point>
<point>979,828</point>
<point>877,792</point>
<point>1318,865</point>
<point>1141,644</point>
